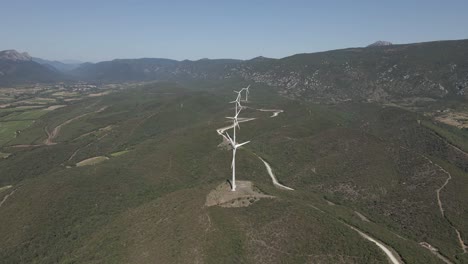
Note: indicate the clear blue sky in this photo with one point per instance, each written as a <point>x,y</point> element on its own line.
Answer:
<point>103,29</point>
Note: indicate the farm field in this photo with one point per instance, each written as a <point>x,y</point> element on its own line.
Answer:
<point>10,129</point>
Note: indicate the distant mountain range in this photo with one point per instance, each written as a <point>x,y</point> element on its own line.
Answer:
<point>71,61</point>
<point>16,68</point>
<point>380,72</point>
<point>58,65</point>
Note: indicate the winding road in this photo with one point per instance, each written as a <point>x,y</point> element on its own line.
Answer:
<point>220,131</point>
<point>273,177</point>
<point>392,255</point>
<point>462,243</point>
<point>394,259</point>
<point>435,251</point>
<point>276,112</point>
<point>55,132</point>
<point>6,197</point>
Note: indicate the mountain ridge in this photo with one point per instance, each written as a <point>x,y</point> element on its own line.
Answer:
<point>420,71</point>
<point>13,55</point>
<point>57,65</point>
<point>19,68</point>
<point>423,71</point>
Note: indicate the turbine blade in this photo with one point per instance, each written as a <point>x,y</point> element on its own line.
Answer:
<point>238,145</point>
<point>230,139</point>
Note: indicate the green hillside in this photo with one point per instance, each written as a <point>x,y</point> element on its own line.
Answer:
<point>146,204</point>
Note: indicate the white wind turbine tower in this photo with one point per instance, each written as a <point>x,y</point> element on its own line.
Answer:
<point>235,146</point>
<point>246,93</point>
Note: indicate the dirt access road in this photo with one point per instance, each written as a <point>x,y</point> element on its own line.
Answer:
<point>55,132</point>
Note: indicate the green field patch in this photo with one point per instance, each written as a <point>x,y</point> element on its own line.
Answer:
<point>4,188</point>
<point>11,109</point>
<point>119,153</point>
<point>96,133</point>
<point>99,94</point>
<point>7,110</point>
<point>53,107</point>
<point>4,155</point>
<point>65,94</point>
<point>10,129</point>
<point>39,101</point>
<point>19,108</point>
<point>91,161</point>
<point>456,136</point>
<point>72,99</point>
<point>26,115</point>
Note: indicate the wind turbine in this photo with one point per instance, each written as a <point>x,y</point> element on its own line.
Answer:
<point>238,110</point>
<point>237,101</point>
<point>235,146</point>
<point>246,93</point>
<point>232,141</point>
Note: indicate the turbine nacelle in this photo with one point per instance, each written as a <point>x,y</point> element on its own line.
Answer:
<point>237,101</point>
<point>247,93</point>
<point>239,94</point>
<point>246,89</point>
<point>233,144</point>
<point>236,123</point>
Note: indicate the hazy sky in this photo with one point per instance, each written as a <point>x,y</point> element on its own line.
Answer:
<point>104,29</point>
